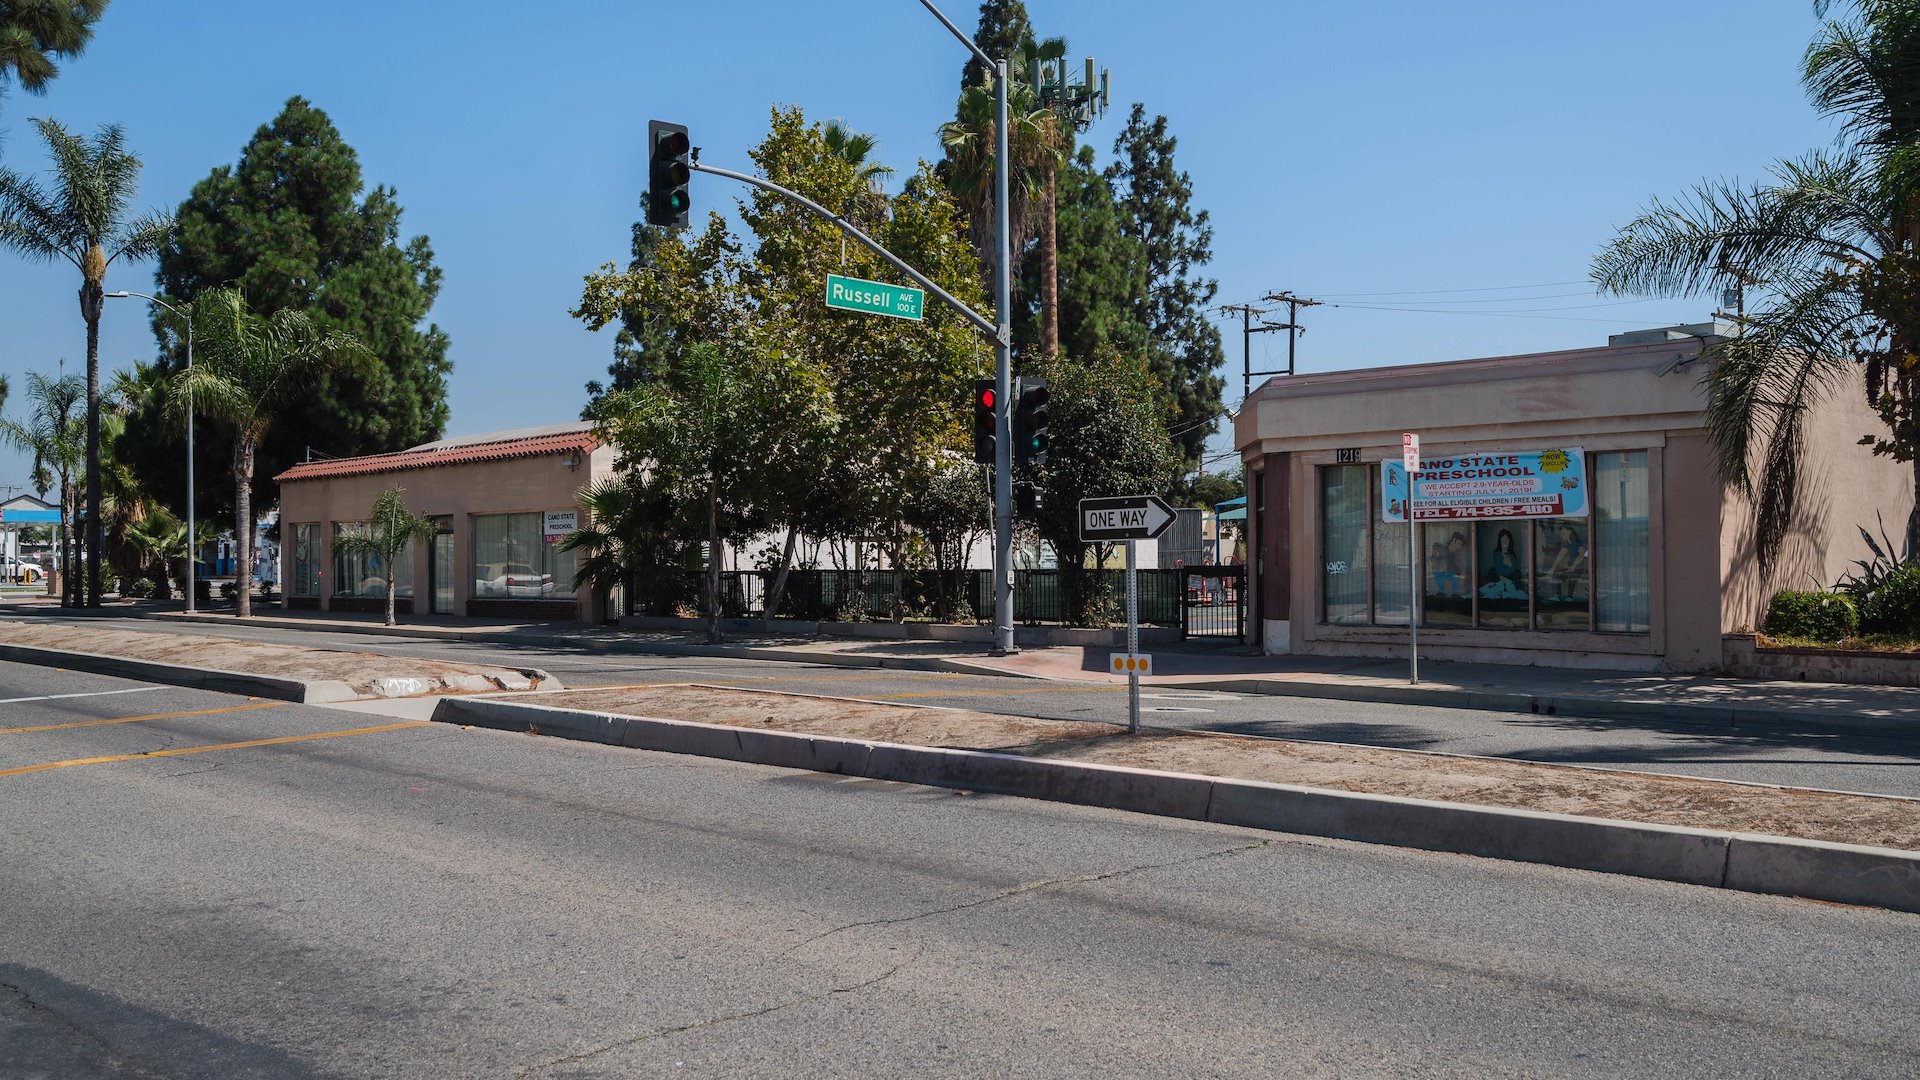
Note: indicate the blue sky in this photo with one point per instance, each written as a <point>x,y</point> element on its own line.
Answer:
<point>1344,150</point>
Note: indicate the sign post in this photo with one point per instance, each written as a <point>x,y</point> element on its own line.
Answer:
<point>1130,518</point>
<point>1410,460</point>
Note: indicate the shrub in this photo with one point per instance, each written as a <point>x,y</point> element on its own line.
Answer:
<point>1894,606</point>
<point>1820,616</point>
<point>141,588</point>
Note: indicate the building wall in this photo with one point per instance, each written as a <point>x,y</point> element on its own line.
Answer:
<point>513,485</point>
<point>1701,580</point>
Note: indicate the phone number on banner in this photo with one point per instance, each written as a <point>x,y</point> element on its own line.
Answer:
<point>1473,511</point>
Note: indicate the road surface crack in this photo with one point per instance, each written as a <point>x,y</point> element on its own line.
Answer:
<point>41,1013</point>
<point>1032,886</point>
<point>711,1021</point>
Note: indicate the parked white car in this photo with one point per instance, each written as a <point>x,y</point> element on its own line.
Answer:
<point>516,580</point>
<point>17,571</point>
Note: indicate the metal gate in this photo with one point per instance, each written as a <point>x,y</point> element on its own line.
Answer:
<point>1215,604</point>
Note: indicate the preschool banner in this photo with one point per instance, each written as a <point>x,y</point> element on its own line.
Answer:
<point>1471,487</point>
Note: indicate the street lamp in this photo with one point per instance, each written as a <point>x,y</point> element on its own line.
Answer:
<point>188,317</point>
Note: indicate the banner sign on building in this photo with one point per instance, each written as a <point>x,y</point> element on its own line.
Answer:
<point>1469,487</point>
<point>558,523</point>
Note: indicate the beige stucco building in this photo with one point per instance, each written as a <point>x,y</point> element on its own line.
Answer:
<point>1651,578</point>
<point>501,500</point>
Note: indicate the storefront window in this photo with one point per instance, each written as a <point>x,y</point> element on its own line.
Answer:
<point>1449,574</point>
<point>1343,522</point>
<point>1392,583</point>
<point>306,561</point>
<point>513,561</point>
<point>362,573</point>
<point>1564,575</point>
<point>1575,574</point>
<point>1504,581</point>
<point>1620,541</point>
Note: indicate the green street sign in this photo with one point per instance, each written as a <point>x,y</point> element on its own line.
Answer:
<point>874,297</point>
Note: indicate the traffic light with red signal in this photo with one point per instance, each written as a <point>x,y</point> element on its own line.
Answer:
<point>985,420</point>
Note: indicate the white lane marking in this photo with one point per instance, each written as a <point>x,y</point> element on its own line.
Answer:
<point>96,693</point>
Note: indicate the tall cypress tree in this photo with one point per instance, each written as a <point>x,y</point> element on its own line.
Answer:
<point>1156,210</point>
<point>290,228</point>
<point>1004,27</point>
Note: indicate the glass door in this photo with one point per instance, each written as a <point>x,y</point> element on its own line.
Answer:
<point>440,567</point>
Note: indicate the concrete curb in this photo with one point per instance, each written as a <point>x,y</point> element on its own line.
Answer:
<point>595,644</point>
<point>1841,873</point>
<point>1725,716</point>
<point>308,692</point>
<point>301,691</point>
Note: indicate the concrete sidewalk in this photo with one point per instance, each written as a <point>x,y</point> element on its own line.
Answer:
<point>1691,699</point>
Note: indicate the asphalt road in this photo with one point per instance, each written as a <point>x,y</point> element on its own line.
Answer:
<point>184,898</point>
<point>1830,761</point>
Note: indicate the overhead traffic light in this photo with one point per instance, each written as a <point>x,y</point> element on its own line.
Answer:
<point>668,170</point>
<point>1030,421</point>
<point>985,415</point>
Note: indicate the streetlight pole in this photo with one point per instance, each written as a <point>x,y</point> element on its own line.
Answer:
<point>1002,353</point>
<point>187,317</point>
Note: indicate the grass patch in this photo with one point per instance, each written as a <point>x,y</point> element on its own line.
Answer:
<point>1880,643</point>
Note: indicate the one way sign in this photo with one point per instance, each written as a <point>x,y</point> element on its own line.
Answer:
<point>1124,517</point>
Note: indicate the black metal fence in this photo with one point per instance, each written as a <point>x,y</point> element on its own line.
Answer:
<point>1039,596</point>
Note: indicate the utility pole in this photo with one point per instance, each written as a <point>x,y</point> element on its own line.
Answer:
<point>1292,325</point>
<point>1247,314</point>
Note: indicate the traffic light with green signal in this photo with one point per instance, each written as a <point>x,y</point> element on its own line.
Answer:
<point>1030,421</point>
<point>985,415</point>
<point>668,170</point>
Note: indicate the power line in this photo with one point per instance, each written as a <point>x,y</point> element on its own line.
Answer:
<point>1438,292</point>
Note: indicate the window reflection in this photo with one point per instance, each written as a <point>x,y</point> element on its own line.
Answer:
<point>1501,560</point>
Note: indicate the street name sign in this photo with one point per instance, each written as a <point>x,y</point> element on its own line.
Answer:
<point>1124,517</point>
<point>874,297</point>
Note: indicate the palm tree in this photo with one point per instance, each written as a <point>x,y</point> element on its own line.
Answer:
<point>855,148</point>
<point>1052,150</point>
<point>54,435</point>
<point>84,219</point>
<point>968,142</point>
<point>33,35</point>
<point>253,366</point>
<point>390,535</point>
<point>150,542</point>
<point>1830,239</point>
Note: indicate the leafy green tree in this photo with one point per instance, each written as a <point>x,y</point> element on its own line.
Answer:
<point>1828,243</point>
<point>1156,210</point>
<point>1109,438</point>
<point>696,430</point>
<point>643,344</point>
<point>950,513</point>
<point>628,540</point>
<point>390,534</point>
<point>34,34</point>
<point>85,218</point>
<point>250,370</point>
<point>292,228</point>
<point>55,434</point>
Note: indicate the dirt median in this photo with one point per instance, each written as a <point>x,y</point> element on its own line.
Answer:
<point>1878,821</point>
<point>366,674</point>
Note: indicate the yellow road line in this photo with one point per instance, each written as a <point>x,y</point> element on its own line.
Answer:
<point>137,719</point>
<point>217,746</point>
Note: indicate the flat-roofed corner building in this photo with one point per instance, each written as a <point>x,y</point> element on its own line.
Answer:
<point>500,500</point>
<point>1652,579</point>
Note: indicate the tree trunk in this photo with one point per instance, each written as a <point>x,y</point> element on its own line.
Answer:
<point>777,591</point>
<point>1049,275</point>
<point>91,297</point>
<point>390,590</point>
<point>713,567</point>
<point>243,527</point>
<point>68,586</point>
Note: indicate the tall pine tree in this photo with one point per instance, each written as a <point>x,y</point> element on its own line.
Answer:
<point>1004,28</point>
<point>642,345</point>
<point>1155,200</point>
<point>1101,272</point>
<point>290,227</point>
